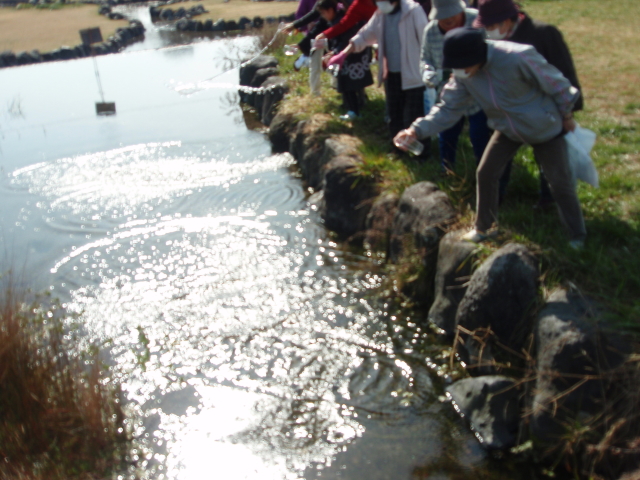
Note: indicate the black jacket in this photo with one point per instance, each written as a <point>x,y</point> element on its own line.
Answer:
<point>549,43</point>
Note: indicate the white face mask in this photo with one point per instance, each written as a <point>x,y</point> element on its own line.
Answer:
<point>496,35</point>
<point>460,73</point>
<point>385,6</point>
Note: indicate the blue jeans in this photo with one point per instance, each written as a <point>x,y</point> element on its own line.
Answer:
<point>479,134</point>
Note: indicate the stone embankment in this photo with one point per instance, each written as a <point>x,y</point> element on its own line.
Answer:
<point>540,365</point>
<point>184,22</point>
<point>121,38</point>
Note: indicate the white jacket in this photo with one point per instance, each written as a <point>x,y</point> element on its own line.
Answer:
<point>411,26</point>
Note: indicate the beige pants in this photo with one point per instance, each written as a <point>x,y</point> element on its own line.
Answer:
<point>554,162</point>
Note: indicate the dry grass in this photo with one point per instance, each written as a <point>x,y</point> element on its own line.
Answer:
<point>59,418</point>
<point>234,9</point>
<point>46,30</point>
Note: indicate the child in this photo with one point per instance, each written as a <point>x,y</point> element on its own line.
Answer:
<point>354,75</point>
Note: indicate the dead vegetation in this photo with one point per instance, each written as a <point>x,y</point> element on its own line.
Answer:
<point>60,418</point>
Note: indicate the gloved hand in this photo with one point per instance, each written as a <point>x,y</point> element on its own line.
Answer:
<point>338,59</point>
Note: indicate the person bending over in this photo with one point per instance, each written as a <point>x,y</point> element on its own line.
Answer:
<point>527,101</point>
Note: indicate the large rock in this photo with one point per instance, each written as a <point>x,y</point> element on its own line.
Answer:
<point>257,22</point>
<point>424,213</point>
<point>248,71</point>
<point>280,130</point>
<point>26,58</point>
<point>573,358</point>
<point>7,58</point>
<point>66,53</point>
<point>501,296</point>
<point>379,222</point>
<point>244,23</point>
<point>167,14</point>
<point>182,25</point>
<point>347,196</point>
<point>334,146</point>
<point>455,262</point>
<point>307,144</point>
<point>491,404</point>
<point>274,90</point>
<point>423,216</point>
<point>262,74</point>
<point>220,26</point>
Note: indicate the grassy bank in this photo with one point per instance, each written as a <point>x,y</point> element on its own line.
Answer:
<point>600,36</point>
<point>45,29</point>
<point>60,418</point>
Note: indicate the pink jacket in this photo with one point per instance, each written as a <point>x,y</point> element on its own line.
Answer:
<point>412,25</point>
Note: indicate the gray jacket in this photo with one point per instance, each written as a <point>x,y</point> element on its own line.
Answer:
<point>523,96</point>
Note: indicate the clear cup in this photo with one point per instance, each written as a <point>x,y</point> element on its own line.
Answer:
<point>415,147</point>
<point>290,49</point>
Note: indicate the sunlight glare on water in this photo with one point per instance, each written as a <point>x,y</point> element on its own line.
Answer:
<point>247,342</point>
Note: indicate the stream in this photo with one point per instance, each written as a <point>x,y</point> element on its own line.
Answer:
<point>250,344</point>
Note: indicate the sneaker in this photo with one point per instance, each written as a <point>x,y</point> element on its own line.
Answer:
<point>476,236</point>
<point>576,245</point>
<point>350,115</point>
<point>301,61</point>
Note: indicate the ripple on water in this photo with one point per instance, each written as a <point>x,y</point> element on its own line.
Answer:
<point>233,326</point>
<point>226,307</point>
<point>128,177</point>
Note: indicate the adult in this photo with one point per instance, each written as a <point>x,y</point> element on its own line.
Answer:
<point>445,16</point>
<point>397,28</point>
<point>527,101</point>
<point>304,7</point>
<point>503,20</point>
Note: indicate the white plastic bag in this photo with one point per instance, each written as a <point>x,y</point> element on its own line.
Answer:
<point>579,145</point>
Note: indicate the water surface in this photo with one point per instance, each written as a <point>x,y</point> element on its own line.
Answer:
<point>249,342</point>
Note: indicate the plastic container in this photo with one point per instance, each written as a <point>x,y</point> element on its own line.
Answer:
<point>414,147</point>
